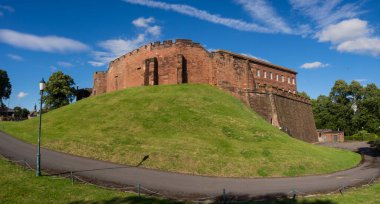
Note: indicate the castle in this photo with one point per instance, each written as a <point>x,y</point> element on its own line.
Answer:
<point>269,89</point>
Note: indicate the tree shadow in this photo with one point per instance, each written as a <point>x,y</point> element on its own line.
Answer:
<point>229,199</point>
<point>268,199</point>
<point>130,200</point>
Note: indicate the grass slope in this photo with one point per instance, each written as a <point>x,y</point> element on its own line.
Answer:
<point>195,129</point>
<point>21,186</point>
<point>18,185</point>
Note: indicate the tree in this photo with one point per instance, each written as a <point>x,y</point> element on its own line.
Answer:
<point>349,107</point>
<point>339,92</point>
<point>60,90</point>
<point>20,113</point>
<point>5,86</point>
<point>304,94</point>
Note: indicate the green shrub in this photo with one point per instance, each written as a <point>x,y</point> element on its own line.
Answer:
<point>363,135</point>
<point>376,144</point>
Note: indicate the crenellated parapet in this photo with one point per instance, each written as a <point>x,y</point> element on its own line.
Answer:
<point>265,88</point>
<point>158,45</point>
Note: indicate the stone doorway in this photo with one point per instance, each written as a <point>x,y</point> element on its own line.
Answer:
<point>182,70</point>
<point>151,72</point>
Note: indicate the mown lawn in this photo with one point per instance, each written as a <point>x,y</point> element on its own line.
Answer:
<point>195,129</point>
<point>18,185</point>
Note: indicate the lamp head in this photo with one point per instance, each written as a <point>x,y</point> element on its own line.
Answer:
<point>42,85</point>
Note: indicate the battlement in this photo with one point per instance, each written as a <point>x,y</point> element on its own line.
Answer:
<point>244,57</point>
<point>160,45</point>
<point>281,92</point>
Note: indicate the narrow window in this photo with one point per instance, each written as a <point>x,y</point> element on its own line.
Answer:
<point>265,74</point>
<point>276,77</point>
<point>282,78</point>
<point>288,80</point>
<point>258,73</point>
<point>294,81</point>
<point>271,75</point>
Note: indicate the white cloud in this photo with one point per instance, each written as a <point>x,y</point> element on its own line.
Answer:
<point>21,95</point>
<point>344,30</point>
<point>15,57</point>
<point>314,65</point>
<point>262,11</point>
<point>203,15</point>
<point>53,44</point>
<point>353,35</point>
<point>114,48</point>
<point>361,46</point>
<point>143,22</point>
<point>64,64</point>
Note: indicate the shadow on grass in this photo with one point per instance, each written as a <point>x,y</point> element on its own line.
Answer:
<point>269,199</point>
<point>153,200</point>
<point>129,200</point>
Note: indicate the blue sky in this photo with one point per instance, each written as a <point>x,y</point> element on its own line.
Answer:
<point>322,40</point>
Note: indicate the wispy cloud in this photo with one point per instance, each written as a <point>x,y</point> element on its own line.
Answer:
<point>5,8</point>
<point>361,80</point>
<point>324,12</point>
<point>114,48</point>
<point>64,64</point>
<point>54,44</point>
<point>15,57</point>
<point>314,65</point>
<point>261,10</point>
<point>203,15</point>
<point>143,22</point>
<point>21,95</point>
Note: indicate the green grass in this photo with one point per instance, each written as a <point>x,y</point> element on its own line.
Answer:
<point>196,129</point>
<point>18,185</point>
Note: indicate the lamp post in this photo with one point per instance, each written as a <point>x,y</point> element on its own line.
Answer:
<point>38,169</point>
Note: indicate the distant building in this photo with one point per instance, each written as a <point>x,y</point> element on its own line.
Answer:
<point>327,135</point>
<point>34,113</point>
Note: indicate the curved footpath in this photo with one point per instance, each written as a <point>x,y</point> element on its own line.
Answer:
<point>190,186</point>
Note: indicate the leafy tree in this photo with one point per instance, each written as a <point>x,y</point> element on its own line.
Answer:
<point>304,94</point>
<point>60,90</point>
<point>20,113</point>
<point>5,86</point>
<point>339,92</point>
<point>349,107</point>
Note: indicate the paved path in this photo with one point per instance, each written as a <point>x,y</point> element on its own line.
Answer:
<point>188,186</point>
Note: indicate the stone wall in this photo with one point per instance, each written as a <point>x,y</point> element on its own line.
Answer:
<point>268,89</point>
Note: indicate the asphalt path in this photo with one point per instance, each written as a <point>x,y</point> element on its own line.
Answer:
<point>190,186</point>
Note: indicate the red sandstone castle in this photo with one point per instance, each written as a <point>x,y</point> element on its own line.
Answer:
<point>268,89</point>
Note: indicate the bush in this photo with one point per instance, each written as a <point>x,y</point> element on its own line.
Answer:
<point>363,135</point>
<point>376,144</point>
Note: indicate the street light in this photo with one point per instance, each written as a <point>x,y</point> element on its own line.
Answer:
<point>38,169</point>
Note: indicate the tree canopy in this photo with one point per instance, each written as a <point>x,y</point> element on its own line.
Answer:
<point>60,90</point>
<point>5,86</point>
<point>349,107</point>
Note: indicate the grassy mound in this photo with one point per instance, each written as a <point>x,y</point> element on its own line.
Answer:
<point>195,129</point>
